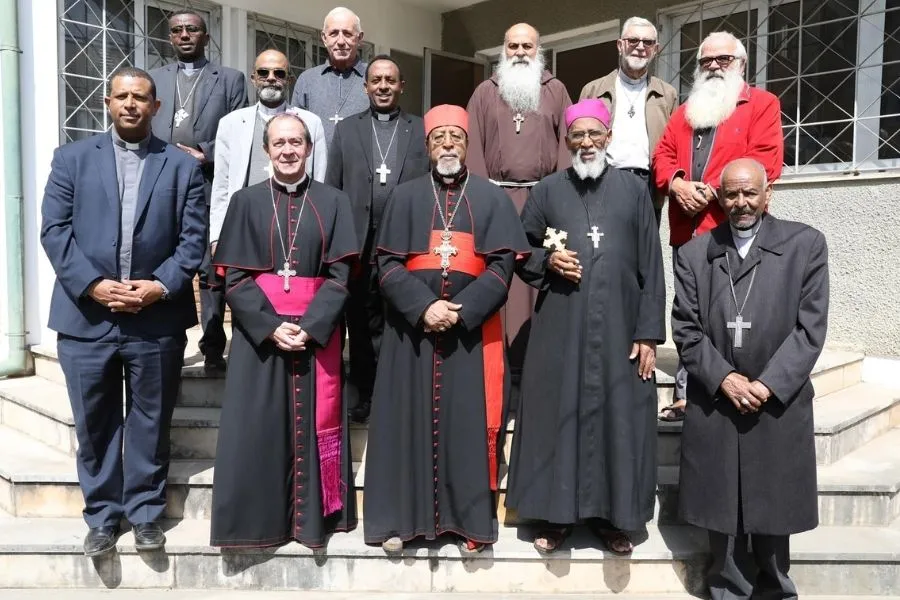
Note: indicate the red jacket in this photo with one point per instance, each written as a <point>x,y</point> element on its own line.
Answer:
<point>752,131</point>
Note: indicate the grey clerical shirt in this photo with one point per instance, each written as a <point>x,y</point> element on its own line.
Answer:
<point>130,159</point>
<point>327,92</point>
<point>258,169</point>
<point>384,131</point>
<point>189,76</point>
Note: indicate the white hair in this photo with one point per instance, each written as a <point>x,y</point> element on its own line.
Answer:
<point>739,50</point>
<point>757,166</point>
<point>520,84</point>
<point>338,10</point>
<point>638,22</point>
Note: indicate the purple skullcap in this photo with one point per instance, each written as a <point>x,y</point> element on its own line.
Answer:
<point>588,108</point>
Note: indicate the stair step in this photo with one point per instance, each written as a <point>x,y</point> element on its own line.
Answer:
<point>47,553</point>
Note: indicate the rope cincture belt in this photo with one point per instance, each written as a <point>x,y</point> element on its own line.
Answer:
<point>514,184</point>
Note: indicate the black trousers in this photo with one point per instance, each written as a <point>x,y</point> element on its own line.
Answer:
<point>212,305</point>
<point>750,566</point>
<point>122,458</point>
<point>365,324</point>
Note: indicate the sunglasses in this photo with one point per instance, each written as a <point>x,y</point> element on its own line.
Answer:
<point>264,73</point>
<point>635,41</point>
<point>723,60</point>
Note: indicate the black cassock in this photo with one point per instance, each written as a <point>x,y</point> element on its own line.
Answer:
<point>752,473</point>
<point>427,456</point>
<point>585,435</point>
<point>267,487</point>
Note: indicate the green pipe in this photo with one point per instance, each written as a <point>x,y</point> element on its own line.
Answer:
<point>16,362</point>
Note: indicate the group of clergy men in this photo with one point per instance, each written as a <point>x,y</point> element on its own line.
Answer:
<point>416,233</point>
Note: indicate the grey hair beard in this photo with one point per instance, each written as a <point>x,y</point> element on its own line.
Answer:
<point>589,170</point>
<point>713,100</point>
<point>520,85</point>
<point>635,63</point>
<point>271,94</point>
<point>448,169</point>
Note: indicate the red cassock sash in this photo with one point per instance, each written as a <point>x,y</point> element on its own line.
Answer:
<point>467,261</point>
<point>328,381</point>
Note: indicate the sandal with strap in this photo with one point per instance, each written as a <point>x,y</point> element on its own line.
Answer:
<point>469,547</point>
<point>616,541</point>
<point>672,414</point>
<point>554,538</point>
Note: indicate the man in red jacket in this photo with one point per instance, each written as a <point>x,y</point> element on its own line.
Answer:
<point>723,119</point>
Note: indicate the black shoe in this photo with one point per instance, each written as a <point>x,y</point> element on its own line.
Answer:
<point>100,540</point>
<point>149,536</point>
<point>214,363</point>
<point>360,412</point>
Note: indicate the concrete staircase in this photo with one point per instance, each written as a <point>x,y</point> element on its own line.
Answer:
<point>855,551</point>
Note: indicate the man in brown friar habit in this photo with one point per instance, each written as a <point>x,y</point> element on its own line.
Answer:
<point>283,469</point>
<point>446,255</point>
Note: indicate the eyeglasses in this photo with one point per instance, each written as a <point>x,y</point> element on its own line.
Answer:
<point>635,41</point>
<point>596,135</point>
<point>438,138</point>
<point>264,73</point>
<point>723,60</point>
<point>179,29</point>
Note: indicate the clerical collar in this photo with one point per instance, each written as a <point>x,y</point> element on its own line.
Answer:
<point>291,188</point>
<point>267,113</point>
<point>746,233</point>
<point>450,180</point>
<point>633,82</point>
<point>190,67</point>
<point>133,146</point>
<point>381,116</point>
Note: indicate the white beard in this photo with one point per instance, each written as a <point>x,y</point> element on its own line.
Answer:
<point>592,169</point>
<point>520,85</point>
<point>448,168</point>
<point>271,94</point>
<point>713,99</point>
<point>635,63</point>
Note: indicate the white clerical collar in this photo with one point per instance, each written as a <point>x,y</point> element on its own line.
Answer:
<point>746,233</point>
<point>133,146</point>
<point>291,187</point>
<point>190,68</point>
<point>267,113</point>
<point>633,82</point>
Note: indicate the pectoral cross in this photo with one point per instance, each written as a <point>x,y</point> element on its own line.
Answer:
<point>555,239</point>
<point>180,116</point>
<point>519,119</point>
<point>383,172</point>
<point>739,325</point>
<point>595,236</point>
<point>445,250</point>
<point>286,272</point>
<point>699,140</point>
<point>336,118</point>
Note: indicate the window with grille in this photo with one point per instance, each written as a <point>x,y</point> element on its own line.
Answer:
<point>835,66</point>
<point>302,45</point>
<point>99,36</point>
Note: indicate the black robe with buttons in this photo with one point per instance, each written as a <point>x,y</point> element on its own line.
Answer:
<point>266,488</point>
<point>427,455</point>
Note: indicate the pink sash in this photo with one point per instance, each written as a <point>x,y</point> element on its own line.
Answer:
<point>328,381</point>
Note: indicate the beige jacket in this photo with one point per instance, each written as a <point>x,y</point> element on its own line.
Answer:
<point>662,100</point>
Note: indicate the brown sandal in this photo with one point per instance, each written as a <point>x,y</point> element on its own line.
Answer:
<point>618,542</point>
<point>555,537</point>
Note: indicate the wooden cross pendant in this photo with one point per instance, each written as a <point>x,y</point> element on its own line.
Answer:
<point>519,119</point>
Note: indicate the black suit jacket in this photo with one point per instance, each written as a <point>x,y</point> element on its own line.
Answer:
<point>351,167</point>
<point>221,91</point>
<point>81,234</point>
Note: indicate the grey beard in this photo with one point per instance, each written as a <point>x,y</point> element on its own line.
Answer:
<point>589,170</point>
<point>271,95</point>
<point>520,86</point>
<point>712,100</point>
<point>448,169</point>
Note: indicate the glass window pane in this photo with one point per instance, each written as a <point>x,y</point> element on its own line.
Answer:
<point>889,126</point>
<point>826,143</point>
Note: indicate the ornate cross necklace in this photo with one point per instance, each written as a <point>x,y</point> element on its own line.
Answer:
<point>286,271</point>
<point>182,114</point>
<point>446,249</point>
<point>383,170</point>
<point>739,324</point>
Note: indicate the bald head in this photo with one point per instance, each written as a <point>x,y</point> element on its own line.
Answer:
<point>342,35</point>
<point>521,41</point>
<point>271,75</point>
<point>745,193</point>
<point>745,168</point>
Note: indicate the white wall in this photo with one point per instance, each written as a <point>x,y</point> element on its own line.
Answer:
<point>4,283</point>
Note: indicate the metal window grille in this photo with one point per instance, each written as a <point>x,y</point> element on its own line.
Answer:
<point>99,36</point>
<point>835,66</point>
